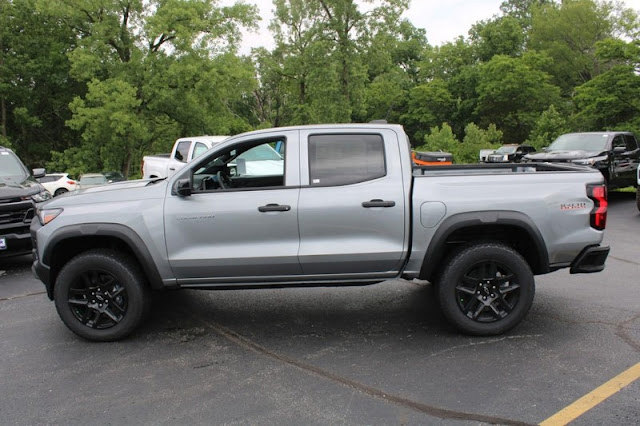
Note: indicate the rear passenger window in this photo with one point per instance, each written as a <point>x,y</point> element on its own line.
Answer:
<point>345,159</point>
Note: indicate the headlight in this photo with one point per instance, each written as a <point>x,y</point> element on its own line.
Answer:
<point>47,215</point>
<point>41,196</point>
<point>589,161</point>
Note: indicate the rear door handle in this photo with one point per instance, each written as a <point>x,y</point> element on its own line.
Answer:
<point>378,203</point>
<point>274,208</point>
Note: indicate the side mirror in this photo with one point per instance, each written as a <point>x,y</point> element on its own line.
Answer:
<point>183,187</point>
<point>619,150</point>
<point>38,173</point>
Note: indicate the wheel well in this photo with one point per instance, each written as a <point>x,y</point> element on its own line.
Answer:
<point>511,235</point>
<point>69,248</point>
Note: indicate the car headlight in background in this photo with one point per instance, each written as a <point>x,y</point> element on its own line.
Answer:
<point>47,215</point>
<point>589,161</point>
<point>41,196</point>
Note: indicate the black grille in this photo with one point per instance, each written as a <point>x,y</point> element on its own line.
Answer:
<point>20,212</point>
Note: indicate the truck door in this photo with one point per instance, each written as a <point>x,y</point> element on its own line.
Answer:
<point>351,211</point>
<point>237,224</point>
<point>178,158</point>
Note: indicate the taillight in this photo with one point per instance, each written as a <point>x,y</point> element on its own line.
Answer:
<point>598,193</point>
<point>70,182</point>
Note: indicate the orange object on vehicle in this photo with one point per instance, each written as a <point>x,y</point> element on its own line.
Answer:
<point>438,158</point>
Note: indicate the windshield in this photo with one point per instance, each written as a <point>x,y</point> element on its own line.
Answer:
<point>10,165</point>
<point>261,153</point>
<point>580,142</point>
<point>506,150</point>
<point>93,180</point>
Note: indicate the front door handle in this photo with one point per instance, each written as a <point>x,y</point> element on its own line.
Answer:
<point>378,203</point>
<point>274,208</point>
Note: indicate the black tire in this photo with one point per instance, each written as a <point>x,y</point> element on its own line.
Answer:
<point>60,191</point>
<point>101,295</point>
<point>486,289</point>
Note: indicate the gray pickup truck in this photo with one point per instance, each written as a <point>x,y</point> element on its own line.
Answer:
<point>346,207</point>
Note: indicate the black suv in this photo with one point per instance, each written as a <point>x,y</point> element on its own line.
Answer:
<point>615,154</point>
<point>19,192</point>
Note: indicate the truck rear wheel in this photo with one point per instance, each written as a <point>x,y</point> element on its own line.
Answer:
<point>486,289</point>
<point>101,296</point>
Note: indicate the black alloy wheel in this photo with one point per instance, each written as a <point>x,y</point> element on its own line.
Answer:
<point>102,295</point>
<point>488,292</point>
<point>98,300</point>
<point>485,289</point>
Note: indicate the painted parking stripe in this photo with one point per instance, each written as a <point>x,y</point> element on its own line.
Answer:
<point>594,397</point>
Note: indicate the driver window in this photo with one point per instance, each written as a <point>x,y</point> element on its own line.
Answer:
<point>250,165</point>
<point>618,142</point>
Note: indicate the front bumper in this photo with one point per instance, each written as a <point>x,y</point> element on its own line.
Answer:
<point>590,260</point>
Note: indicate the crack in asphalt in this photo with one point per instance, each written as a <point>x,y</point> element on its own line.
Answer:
<point>442,413</point>
<point>485,342</point>
<point>22,296</point>
<point>625,260</point>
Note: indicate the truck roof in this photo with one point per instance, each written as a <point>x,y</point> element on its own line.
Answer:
<point>329,126</point>
<point>203,138</point>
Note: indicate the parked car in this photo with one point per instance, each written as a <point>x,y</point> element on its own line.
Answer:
<point>615,154</point>
<point>19,195</point>
<point>114,177</point>
<point>482,155</point>
<point>326,217</point>
<point>90,180</point>
<point>58,183</point>
<point>511,153</point>
<point>184,150</point>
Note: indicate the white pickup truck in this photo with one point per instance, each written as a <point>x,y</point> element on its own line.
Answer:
<point>184,150</point>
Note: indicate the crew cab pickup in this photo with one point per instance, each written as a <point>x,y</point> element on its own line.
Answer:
<point>479,233</point>
<point>615,154</point>
<point>184,150</point>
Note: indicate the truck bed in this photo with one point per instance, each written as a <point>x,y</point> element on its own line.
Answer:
<point>496,169</point>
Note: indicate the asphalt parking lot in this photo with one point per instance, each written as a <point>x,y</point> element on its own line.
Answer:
<point>380,354</point>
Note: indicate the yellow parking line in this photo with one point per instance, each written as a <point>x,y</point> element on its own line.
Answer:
<point>594,397</point>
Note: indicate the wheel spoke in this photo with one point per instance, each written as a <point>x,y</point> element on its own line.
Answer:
<point>509,289</point>
<point>467,290</point>
<point>93,322</point>
<point>79,302</point>
<point>467,279</point>
<point>478,311</point>
<point>111,315</point>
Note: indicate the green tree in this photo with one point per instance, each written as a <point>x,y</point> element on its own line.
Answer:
<point>35,87</point>
<point>568,32</point>
<point>512,93</point>
<point>430,104</point>
<point>499,36</point>
<point>155,70</point>
<point>441,139</point>
<point>547,127</point>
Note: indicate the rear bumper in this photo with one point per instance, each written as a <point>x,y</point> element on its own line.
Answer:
<point>590,260</point>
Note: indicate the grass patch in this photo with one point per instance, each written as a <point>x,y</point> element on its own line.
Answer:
<point>627,189</point>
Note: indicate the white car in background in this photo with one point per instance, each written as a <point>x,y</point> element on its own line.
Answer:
<point>89,180</point>
<point>58,183</point>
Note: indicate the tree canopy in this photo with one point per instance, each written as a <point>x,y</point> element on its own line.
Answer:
<point>93,85</point>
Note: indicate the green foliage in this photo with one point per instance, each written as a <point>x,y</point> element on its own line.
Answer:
<point>512,94</point>
<point>429,105</point>
<point>441,139</point>
<point>609,101</point>
<point>547,128</point>
<point>500,36</point>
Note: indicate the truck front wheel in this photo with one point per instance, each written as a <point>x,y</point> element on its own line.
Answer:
<point>100,295</point>
<point>486,289</point>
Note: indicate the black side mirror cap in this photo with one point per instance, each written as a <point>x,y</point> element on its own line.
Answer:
<point>183,188</point>
<point>619,149</point>
<point>38,173</point>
